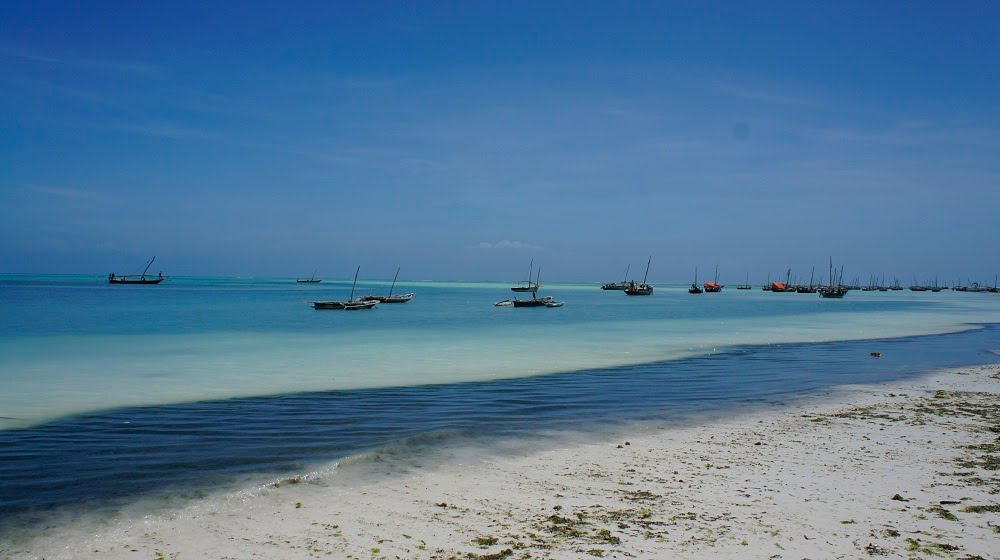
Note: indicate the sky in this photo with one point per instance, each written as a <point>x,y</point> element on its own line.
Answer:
<point>460,140</point>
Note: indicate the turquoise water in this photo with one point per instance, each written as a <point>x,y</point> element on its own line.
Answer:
<point>74,344</point>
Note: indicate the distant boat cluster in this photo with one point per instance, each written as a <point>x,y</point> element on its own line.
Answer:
<point>835,287</point>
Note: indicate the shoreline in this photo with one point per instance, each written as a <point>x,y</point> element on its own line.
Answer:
<point>813,477</point>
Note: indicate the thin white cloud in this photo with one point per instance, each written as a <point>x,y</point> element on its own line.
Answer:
<point>508,244</point>
<point>66,60</point>
<point>66,192</point>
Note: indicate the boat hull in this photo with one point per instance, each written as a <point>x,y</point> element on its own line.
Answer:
<point>142,281</point>
<point>344,305</point>
<point>523,289</point>
<point>529,303</point>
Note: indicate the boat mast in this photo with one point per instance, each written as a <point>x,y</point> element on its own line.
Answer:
<point>355,283</point>
<point>313,277</point>
<point>394,281</point>
<point>538,280</point>
<point>644,276</point>
<point>531,267</point>
<point>625,277</point>
<point>696,276</point>
<point>148,265</point>
<point>813,271</point>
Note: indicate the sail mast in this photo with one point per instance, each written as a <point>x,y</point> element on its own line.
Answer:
<point>355,283</point>
<point>394,281</point>
<point>625,277</point>
<point>148,265</point>
<point>644,276</point>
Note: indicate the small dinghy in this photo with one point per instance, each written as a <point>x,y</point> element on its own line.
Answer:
<point>503,303</point>
<point>554,304</point>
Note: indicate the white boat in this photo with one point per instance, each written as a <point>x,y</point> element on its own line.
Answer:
<point>349,305</point>
<point>503,303</point>
<point>554,303</point>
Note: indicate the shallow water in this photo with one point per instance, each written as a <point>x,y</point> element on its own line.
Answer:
<point>75,344</point>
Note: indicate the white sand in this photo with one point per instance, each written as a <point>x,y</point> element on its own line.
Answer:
<point>814,479</point>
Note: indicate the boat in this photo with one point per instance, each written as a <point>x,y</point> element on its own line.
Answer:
<point>811,288</point>
<point>554,303</point>
<point>398,298</point>
<point>745,286</point>
<point>535,301</point>
<point>503,303</point>
<point>767,287</point>
<point>349,305</point>
<point>916,287</point>
<point>785,286</point>
<point>835,289</point>
<point>311,280</point>
<point>137,278</point>
<point>643,289</point>
<point>695,288</point>
<point>528,287</point>
<point>618,285</point>
<point>714,286</point>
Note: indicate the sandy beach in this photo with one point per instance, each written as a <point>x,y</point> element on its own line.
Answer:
<point>899,470</point>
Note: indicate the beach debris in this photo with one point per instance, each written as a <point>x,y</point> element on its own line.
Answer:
<point>876,550</point>
<point>899,498</point>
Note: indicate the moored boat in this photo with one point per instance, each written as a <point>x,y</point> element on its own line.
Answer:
<point>398,298</point>
<point>137,278</point>
<point>349,305</point>
<point>835,289</point>
<point>311,280</point>
<point>714,286</point>
<point>618,285</point>
<point>528,287</point>
<point>643,289</point>
<point>695,288</point>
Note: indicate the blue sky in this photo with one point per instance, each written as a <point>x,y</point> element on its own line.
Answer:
<point>460,140</point>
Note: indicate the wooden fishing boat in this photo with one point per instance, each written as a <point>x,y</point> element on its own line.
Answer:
<point>535,301</point>
<point>618,285</point>
<point>311,280</point>
<point>835,289</point>
<point>746,285</point>
<point>137,278</point>
<point>349,305</point>
<point>398,298</point>
<point>714,286</point>
<point>528,287</point>
<point>695,288</point>
<point>643,289</point>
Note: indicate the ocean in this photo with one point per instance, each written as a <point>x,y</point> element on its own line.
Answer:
<point>114,394</point>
